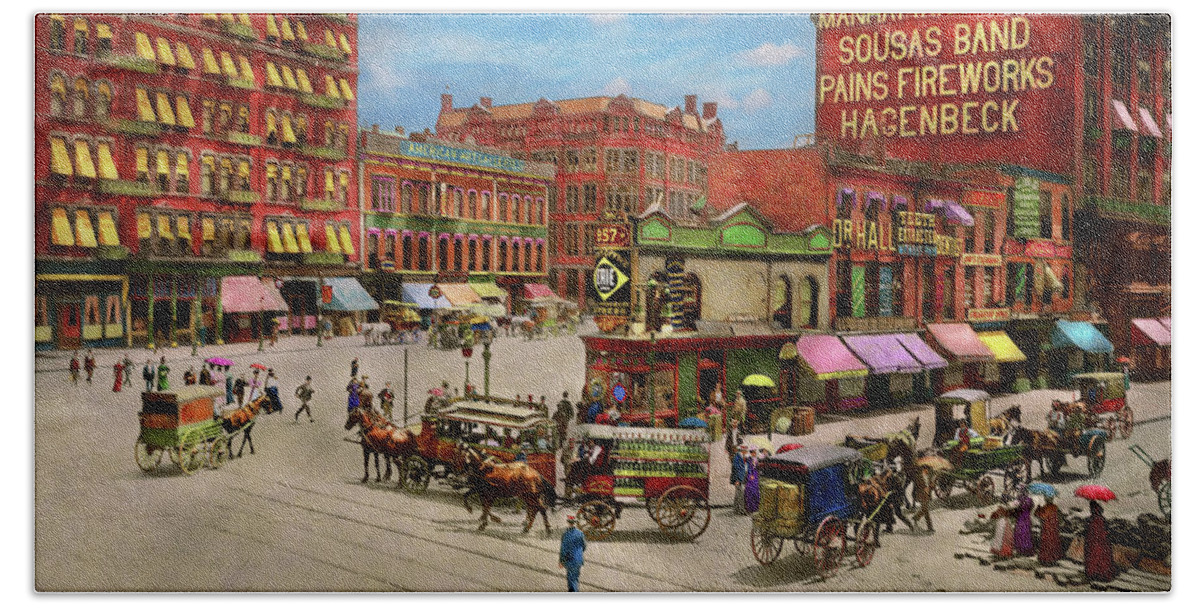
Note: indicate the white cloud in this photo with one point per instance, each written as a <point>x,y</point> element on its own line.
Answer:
<point>617,86</point>
<point>720,95</point>
<point>770,53</point>
<point>384,76</point>
<point>605,18</point>
<point>758,99</point>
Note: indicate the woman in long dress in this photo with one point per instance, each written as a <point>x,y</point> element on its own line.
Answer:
<point>118,376</point>
<point>1002,542</point>
<point>1023,529</point>
<point>752,495</point>
<point>1097,549</point>
<point>1050,546</point>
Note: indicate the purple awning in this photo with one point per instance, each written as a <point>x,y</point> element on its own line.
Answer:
<point>960,341</point>
<point>883,354</point>
<point>957,214</point>
<point>921,351</point>
<point>828,358</point>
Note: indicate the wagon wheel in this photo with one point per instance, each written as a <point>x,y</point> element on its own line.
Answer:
<point>147,457</point>
<point>1095,456</point>
<point>829,545</point>
<point>1012,476</point>
<point>191,454</point>
<point>985,490</point>
<point>943,484</point>
<point>416,474</point>
<point>865,541</point>
<point>1125,426</point>
<point>683,512</point>
<point>765,546</point>
<point>1164,498</point>
<point>218,452</point>
<point>1056,462</point>
<point>597,519</point>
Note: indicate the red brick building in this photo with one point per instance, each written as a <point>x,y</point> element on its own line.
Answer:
<point>173,151</point>
<point>613,154</point>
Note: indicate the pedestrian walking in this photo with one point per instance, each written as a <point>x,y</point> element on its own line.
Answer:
<point>128,365</point>
<point>1050,544</point>
<point>222,378</point>
<point>118,376</point>
<point>354,368</point>
<point>206,375</point>
<point>189,377</point>
<point>737,411</point>
<point>74,367</point>
<point>386,399</point>
<point>1023,529</point>
<point>304,392</point>
<point>148,375</point>
<point>352,394</point>
<point>570,553</point>
<point>271,389</point>
<point>737,478</point>
<point>239,389</point>
<point>1002,542</point>
<point>1097,548</point>
<point>562,417</point>
<point>89,365</point>
<point>163,370</point>
<point>365,396</point>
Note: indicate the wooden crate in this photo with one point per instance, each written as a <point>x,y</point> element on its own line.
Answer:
<point>189,405</point>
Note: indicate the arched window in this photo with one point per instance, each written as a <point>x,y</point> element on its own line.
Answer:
<point>528,212</point>
<point>810,302</point>
<point>103,100</point>
<point>486,255</point>
<point>472,204</point>
<point>514,211</point>
<point>406,202</point>
<point>422,262</point>
<point>540,253</point>
<point>485,207</point>
<point>443,253</point>
<point>502,256</point>
<point>458,255</point>
<point>272,135</point>
<point>80,98</point>
<point>472,254</point>
<point>58,94</point>
<point>406,253</point>
<point>528,256</point>
<point>458,203</point>
<point>503,208</point>
<point>389,247</point>
<point>781,302</point>
<point>540,209</point>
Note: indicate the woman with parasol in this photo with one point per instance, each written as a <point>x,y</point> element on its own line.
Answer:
<point>1023,528</point>
<point>1097,548</point>
<point>1050,544</point>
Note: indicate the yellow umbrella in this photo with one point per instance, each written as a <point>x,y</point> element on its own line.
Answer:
<point>761,442</point>
<point>758,380</point>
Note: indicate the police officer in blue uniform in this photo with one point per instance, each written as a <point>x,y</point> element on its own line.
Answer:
<point>570,553</point>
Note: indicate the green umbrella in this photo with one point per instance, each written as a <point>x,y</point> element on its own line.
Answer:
<point>758,380</point>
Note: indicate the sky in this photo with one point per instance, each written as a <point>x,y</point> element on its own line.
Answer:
<point>759,68</point>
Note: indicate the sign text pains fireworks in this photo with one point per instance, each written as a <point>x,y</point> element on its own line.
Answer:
<point>955,88</point>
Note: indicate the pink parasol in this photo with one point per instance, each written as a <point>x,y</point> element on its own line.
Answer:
<point>222,361</point>
<point>1095,492</point>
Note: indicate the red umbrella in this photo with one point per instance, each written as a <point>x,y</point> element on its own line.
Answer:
<point>1095,492</point>
<point>1122,359</point>
<point>258,366</point>
<point>787,447</point>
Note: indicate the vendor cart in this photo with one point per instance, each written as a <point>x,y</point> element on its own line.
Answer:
<point>181,424</point>
<point>1104,395</point>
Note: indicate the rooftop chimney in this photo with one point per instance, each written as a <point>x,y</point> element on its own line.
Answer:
<point>374,128</point>
<point>399,130</point>
<point>485,102</point>
<point>689,104</point>
<point>447,102</point>
<point>710,110</point>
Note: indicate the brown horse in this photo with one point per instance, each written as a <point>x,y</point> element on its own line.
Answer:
<point>242,419</point>
<point>382,438</point>
<point>1002,423</point>
<point>492,480</point>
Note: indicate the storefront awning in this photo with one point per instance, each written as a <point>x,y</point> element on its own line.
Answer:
<point>921,351</point>
<point>459,294</point>
<point>1166,321</point>
<point>828,359</point>
<point>957,214</point>
<point>960,342</point>
<point>1148,124</point>
<point>418,293</point>
<point>489,310</point>
<point>1081,335</point>
<point>1002,346</point>
<point>537,291</point>
<point>883,354</point>
<point>1150,331</point>
<point>1051,279</point>
<point>250,294</point>
<point>1122,119</point>
<point>349,295</point>
<point>489,290</point>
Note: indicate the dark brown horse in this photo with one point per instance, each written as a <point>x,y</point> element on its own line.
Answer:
<point>491,481</point>
<point>382,438</point>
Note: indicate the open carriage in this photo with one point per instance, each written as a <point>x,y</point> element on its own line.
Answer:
<point>665,469</point>
<point>809,495</point>
<point>1160,477</point>
<point>182,424</point>
<point>1103,394</point>
<point>978,468</point>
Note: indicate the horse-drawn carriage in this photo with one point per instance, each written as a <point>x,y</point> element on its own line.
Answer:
<point>1160,477</point>
<point>977,466</point>
<point>808,495</point>
<point>1103,394</point>
<point>548,317</point>
<point>666,469</point>
<point>182,424</point>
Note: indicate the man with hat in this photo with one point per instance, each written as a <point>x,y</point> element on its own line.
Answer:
<point>570,553</point>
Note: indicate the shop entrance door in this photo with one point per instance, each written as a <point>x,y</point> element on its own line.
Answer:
<point>68,326</point>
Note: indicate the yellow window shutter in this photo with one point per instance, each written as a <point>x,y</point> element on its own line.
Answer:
<point>273,75</point>
<point>108,230</point>
<point>208,229</point>
<point>247,71</point>
<point>228,65</point>
<point>145,110</point>
<point>302,76</point>
<point>287,28</point>
<point>272,27</point>
<point>84,235</point>
<point>143,223</point>
<point>344,178</point>
<point>163,161</point>
<point>273,243</point>
<point>60,233</point>
<point>210,61</point>
<point>103,31</point>
<point>208,17</point>
<point>301,32</point>
<point>182,225</point>
<point>142,43</point>
<point>328,180</point>
<point>165,115</point>
<point>346,48</point>
<point>289,240</point>
<point>287,172</point>
<point>288,135</point>
<point>302,236</point>
<point>60,160</point>
<point>331,87</point>
<point>272,170</point>
<point>347,94</point>
<point>347,244</point>
<point>227,17</point>
<point>108,169</point>
<point>330,41</point>
<point>143,161</point>
<point>184,111</point>
<point>270,122</point>
<point>58,84</point>
<point>165,56</point>
<point>185,55</point>
<point>164,227</point>
<point>81,24</point>
<point>331,239</point>
<point>83,160</point>
<point>244,19</point>
<point>289,81</point>
<point>181,165</point>
<point>244,169</point>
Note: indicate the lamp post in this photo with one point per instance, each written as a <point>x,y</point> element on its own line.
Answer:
<point>487,362</point>
<point>196,323</point>
<point>261,315</point>
<point>320,300</point>
<point>467,343</point>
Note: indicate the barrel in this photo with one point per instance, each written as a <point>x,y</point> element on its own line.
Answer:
<point>804,421</point>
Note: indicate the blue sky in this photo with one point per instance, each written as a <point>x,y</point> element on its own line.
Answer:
<point>759,68</point>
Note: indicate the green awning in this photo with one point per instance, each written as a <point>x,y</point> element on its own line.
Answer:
<point>1081,335</point>
<point>349,295</point>
<point>489,290</point>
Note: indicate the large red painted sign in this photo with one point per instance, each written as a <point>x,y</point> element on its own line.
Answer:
<point>951,88</point>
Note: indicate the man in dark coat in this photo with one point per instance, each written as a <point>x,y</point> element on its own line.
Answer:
<point>562,417</point>
<point>148,375</point>
<point>74,367</point>
<point>89,365</point>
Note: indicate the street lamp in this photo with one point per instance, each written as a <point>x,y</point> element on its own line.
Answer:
<point>487,362</point>
<point>467,343</point>
<point>320,300</point>
<point>261,315</point>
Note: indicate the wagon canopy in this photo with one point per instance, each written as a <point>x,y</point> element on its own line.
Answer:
<point>494,414</point>
<point>964,395</point>
<point>817,457</point>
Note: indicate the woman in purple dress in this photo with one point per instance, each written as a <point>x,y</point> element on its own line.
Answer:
<point>1023,530</point>
<point>752,495</point>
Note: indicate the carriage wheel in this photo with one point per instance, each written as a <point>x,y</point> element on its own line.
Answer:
<point>943,484</point>
<point>191,454</point>
<point>147,457</point>
<point>218,452</point>
<point>683,512</point>
<point>1012,476</point>
<point>985,490</point>
<point>415,475</point>
<point>765,546</point>
<point>597,519</point>
<point>865,541</point>
<point>829,545</point>
<point>1164,498</point>
<point>1095,456</point>
<point>1125,417</point>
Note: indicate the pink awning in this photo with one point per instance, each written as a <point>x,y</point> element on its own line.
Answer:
<point>537,291</point>
<point>250,294</point>
<point>1122,119</point>
<point>1148,124</point>
<point>828,358</point>
<point>1150,331</point>
<point>960,342</point>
